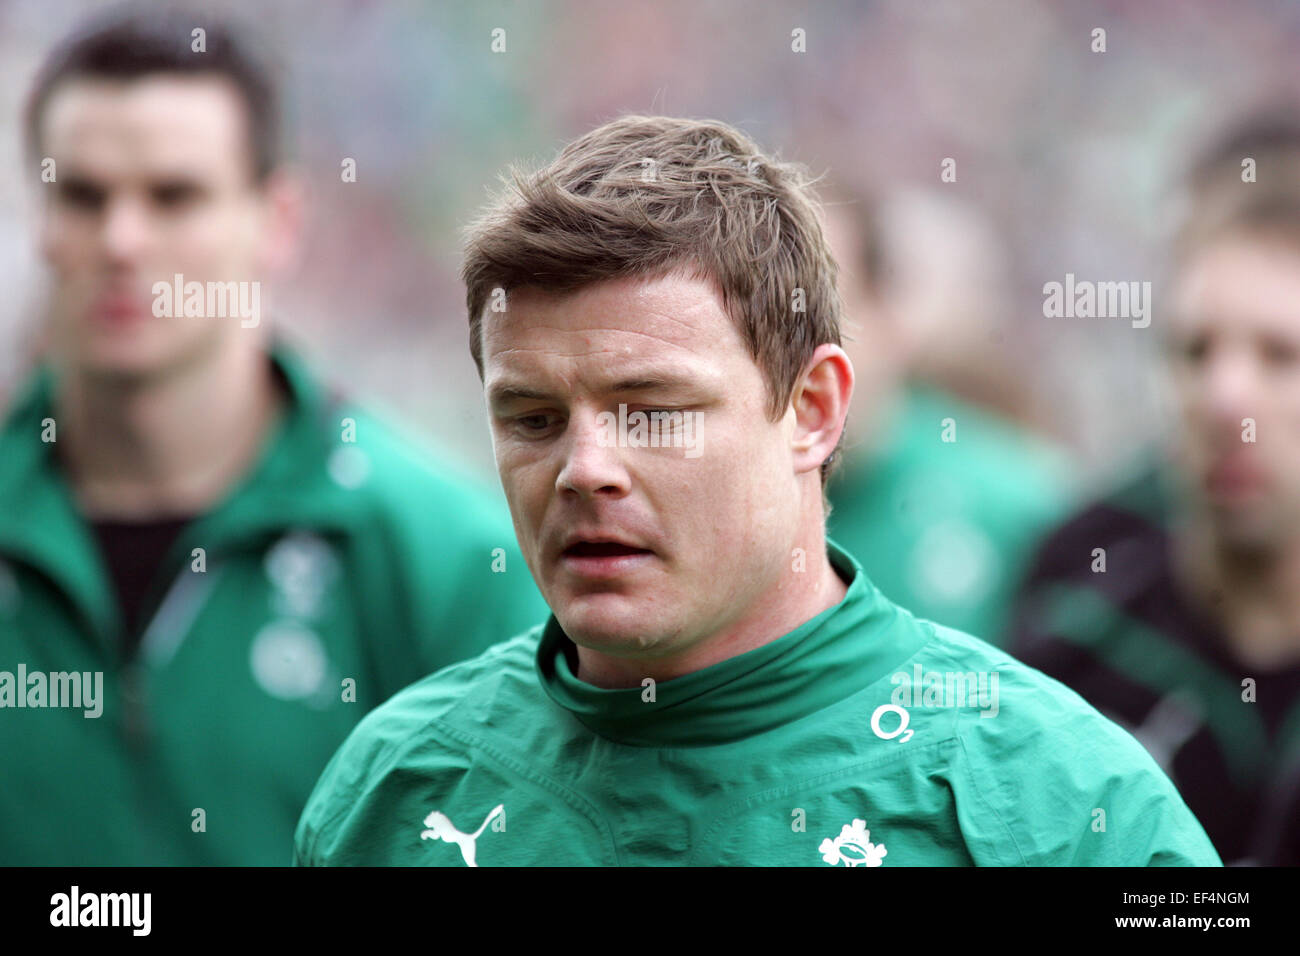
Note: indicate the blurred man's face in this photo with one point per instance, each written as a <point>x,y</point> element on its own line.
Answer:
<point>1235,341</point>
<point>639,551</point>
<point>153,178</point>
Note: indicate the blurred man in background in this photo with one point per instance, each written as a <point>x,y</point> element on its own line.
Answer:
<point>210,566</point>
<point>1173,604</point>
<point>942,496</point>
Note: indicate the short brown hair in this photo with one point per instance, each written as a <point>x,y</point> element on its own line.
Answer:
<point>1218,200</point>
<point>644,195</point>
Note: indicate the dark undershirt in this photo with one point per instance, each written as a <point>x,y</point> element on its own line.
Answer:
<point>133,552</point>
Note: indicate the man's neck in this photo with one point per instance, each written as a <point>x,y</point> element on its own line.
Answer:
<point>797,598</point>
<point>176,444</point>
<point>1252,593</point>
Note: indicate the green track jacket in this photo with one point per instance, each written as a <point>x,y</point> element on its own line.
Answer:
<point>864,737</point>
<point>346,566</point>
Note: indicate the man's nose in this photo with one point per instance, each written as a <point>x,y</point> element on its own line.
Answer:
<point>593,459</point>
<point>1231,387</point>
<point>125,232</point>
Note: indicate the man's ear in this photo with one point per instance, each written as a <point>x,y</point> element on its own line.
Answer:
<point>821,404</point>
<point>284,205</point>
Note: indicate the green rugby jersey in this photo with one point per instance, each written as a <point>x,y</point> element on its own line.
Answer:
<point>863,737</point>
<point>346,565</point>
<point>947,528</point>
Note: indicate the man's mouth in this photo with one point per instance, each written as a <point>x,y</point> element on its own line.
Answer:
<point>1234,480</point>
<point>1235,476</point>
<point>602,549</point>
<point>116,310</point>
<point>603,559</point>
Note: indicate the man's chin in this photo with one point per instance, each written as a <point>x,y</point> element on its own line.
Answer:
<point>114,364</point>
<point>129,357</point>
<point>1250,527</point>
<point>611,623</point>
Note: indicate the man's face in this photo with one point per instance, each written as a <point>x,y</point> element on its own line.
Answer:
<point>153,178</point>
<point>1235,346</point>
<point>691,542</point>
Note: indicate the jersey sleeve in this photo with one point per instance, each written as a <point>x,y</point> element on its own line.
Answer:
<point>1065,786</point>
<point>317,814</point>
<point>387,771</point>
<point>344,786</point>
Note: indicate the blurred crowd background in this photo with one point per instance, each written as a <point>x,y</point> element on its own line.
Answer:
<point>1066,162</point>
<point>969,153</point>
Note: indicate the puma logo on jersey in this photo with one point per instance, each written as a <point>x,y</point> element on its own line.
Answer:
<point>853,847</point>
<point>439,827</point>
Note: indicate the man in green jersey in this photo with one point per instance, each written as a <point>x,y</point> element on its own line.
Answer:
<point>210,567</point>
<point>657,325</point>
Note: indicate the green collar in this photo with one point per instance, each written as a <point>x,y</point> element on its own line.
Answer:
<point>41,526</point>
<point>836,654</point>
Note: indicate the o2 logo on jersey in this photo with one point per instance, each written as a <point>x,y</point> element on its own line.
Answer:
<point>902,733</point>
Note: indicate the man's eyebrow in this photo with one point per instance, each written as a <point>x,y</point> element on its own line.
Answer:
<point>176,181</point>
<point>500,394</point>
<point>644,382</point>
<point>79,180</point>
<point>652,380</point>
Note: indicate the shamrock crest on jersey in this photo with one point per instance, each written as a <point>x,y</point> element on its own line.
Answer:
<point>853,847</point>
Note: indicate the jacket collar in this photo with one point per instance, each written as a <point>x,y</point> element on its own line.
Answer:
<point>833,656</point>
<point>290,484</point>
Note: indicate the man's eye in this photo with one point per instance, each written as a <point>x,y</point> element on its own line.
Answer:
<point>666,417</point>
<point>1194,350</point>
<point>534,423</point>
<point>81,195</point>
<point>173,195</point>
<point>1279,353</point>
